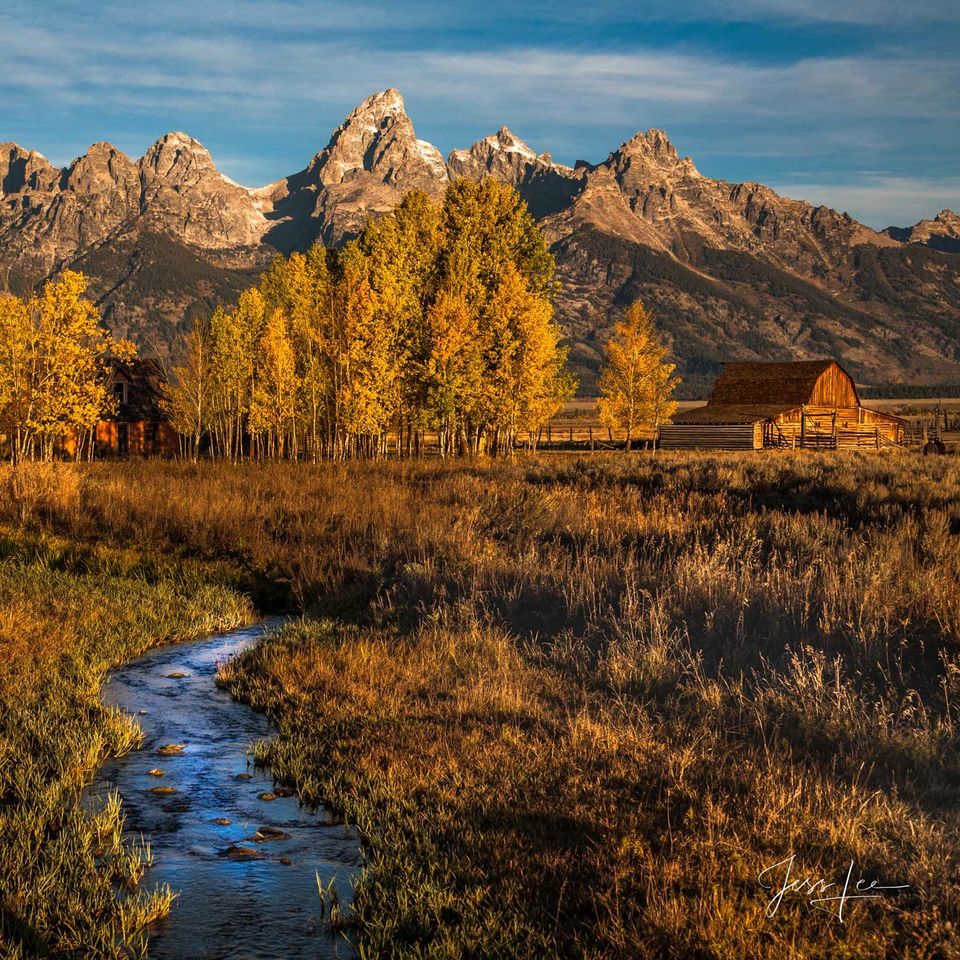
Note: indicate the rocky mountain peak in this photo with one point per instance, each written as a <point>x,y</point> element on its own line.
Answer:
<point>502,155</point>
<point>102,168</point>
<point>657,143</point>
<point>505,139</point>
<point>941,233</point>
<point>652,144</point>
<point>378,138</point>
<point>182,190</point>
<point>387,102</point>
<point>177,156</point>
<point>652,149</point>
<point>653,179</point>
<point>547,187</point>
<point>24,170</point>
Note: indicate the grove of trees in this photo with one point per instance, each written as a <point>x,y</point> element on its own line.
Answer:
<point>55,365</point>
<point>436,318</point>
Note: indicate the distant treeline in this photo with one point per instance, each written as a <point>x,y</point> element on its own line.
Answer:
<point>910,391</point>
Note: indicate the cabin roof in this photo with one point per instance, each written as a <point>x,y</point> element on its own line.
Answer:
<point>790,383</point>
<point>735,413</point>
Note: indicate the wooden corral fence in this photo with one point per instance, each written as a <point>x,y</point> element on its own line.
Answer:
<point>566,435</point>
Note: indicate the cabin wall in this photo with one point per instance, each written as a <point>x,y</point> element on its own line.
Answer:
<point>711,436</point>
<point>144,438</point>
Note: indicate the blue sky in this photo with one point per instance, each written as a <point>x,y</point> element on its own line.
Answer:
<point>853,104</point>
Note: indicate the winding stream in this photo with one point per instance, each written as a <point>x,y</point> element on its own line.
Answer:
<point>247,884</point>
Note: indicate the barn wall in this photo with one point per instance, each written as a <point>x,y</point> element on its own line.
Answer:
<point>852,427</point>
<point>710,436</point>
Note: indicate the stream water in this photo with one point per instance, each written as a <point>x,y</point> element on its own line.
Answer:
<point>244,865</point>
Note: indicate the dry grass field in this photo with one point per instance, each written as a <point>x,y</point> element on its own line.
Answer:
<point>575,705</point>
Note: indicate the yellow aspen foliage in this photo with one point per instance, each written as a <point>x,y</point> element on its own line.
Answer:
<point>535,378</point>
<point>366,361</point>
<point>17,348</point>
<point>300,286</point>
<point>637,382</point>
<point>273,402</point>
<point>402,251</point>
<point>454,365</point>
<point>54,368</point>
<point>189,396</point>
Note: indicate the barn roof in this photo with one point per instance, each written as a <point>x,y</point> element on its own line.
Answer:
<point>768,383</point>
<point>717,413</point>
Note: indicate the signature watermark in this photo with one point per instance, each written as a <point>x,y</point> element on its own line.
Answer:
<point>818,892</point>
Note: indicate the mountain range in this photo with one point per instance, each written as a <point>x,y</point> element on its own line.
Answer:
<point>730,270</point>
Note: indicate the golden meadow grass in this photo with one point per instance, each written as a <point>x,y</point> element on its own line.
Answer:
<point>575,705</point>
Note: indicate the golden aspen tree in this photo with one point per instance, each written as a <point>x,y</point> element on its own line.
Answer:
<point>533,380</point>
<point>274,395</point>
<point>402,251</point>
<point>454,365</point>
<point>300,286</point>
<point>16,353</point>
<point>70,369</point>
<point>189,395</point>
<point>493,253</point>
<point>232,356</point>
<point>489,226</point>
<point>367,365</point>
<point>637,382</point>
<point>236,337</point>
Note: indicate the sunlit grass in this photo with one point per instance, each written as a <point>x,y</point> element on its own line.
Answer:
<point>574,705</point>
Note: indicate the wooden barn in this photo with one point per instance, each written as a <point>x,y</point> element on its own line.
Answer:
<point>140,426</point>
<point>808,403</point>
